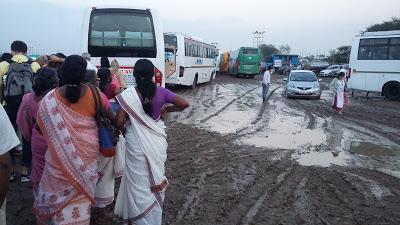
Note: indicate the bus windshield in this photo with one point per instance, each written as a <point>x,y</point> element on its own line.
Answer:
<point>250,51</point>
<point>124,33</point>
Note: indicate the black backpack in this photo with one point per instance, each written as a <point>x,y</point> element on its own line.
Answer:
<point>19,80</point>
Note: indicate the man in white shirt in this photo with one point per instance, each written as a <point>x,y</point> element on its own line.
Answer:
<point>88,58</point>
<point>266,82</point>
<point>8,141</point>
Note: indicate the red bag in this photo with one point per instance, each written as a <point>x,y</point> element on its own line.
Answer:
<point>346,99</point>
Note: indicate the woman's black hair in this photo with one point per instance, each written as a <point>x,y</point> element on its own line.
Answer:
<point>144,73</point>
<point>104,62</point>
<point>73,73</point>
<point>90,77</point>
<point>104,75</point>
<point>6,57</point>
<point>46,79</point>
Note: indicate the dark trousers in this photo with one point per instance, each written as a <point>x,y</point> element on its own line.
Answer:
<point>265,88</point>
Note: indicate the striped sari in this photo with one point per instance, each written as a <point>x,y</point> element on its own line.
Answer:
<point>141,194</point>
<point>66,191</point>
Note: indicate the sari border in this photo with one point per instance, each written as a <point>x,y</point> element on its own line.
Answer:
<point>138,217</point>
<point>134,115</point>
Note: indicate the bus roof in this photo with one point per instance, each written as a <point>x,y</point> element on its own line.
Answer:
<point>381,33</point>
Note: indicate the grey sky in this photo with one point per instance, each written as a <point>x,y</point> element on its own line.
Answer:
<point>308,26</point>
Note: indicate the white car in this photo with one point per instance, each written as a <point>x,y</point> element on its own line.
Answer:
<point>303,83</point>
<point>330,71</point>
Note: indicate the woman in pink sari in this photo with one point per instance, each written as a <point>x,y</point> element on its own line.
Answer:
<point>45,80</point>
<point>66,118</point>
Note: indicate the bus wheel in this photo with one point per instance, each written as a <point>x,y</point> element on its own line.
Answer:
<point>251,76</point>
<point>391,90</point>
<point>194,82</point>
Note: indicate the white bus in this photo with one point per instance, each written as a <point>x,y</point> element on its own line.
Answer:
<point>189,61</point>
<point>375,63</point>
<point>122,32</point>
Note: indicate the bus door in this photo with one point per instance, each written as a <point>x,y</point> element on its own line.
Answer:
<point>170,60</point>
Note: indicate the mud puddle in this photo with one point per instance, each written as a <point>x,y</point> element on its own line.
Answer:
<point>373,149</point>
<point>323,159</point>
<point>286,128</point>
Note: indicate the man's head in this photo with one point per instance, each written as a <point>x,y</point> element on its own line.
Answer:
<point>19,48</point>
<point>270,68</point>
<point>43,60</point>
<point>86,56</point>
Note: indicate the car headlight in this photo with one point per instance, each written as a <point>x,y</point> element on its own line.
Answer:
<point>316,86</point>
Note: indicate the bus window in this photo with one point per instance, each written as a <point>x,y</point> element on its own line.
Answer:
<point>373,49</point>
<point>250,51</point>
<point>394,49</point>
<point>122,33</point>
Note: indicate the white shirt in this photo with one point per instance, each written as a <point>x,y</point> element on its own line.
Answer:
<point>267,77</point>
<point>90,66</point>
<point>8,138</point>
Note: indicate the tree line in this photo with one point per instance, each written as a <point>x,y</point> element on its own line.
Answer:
<point>340,55</point>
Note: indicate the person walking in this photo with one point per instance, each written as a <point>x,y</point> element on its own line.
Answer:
<point>337,86</point>
<point>66,118</point>
<point>19,71</point>
<point>266,82</point>
<point>116,72</point>
<point>8,141</point>
<point>142,189</point>
<point>34,143</point>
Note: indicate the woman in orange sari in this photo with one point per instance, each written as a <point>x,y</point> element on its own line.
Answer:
<point>66,118</point>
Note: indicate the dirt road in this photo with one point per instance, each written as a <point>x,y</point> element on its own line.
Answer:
<point>234,160</point>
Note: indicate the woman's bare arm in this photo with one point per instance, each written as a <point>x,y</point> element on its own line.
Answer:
<point>121,120</point>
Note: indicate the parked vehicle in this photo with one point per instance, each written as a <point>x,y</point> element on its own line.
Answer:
<point>332,70</point>
<point>316,66</point>
<point>119,31</point>
<point>283,63</point>
<point>375,63</point>
<point>194,60</point>
<point>245,62</point>
<point>303,83</point>
<point>344,67</point>
<point>224,63</point>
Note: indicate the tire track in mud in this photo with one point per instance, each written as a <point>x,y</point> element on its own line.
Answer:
<point>227,105</point>
<point>254,210</point>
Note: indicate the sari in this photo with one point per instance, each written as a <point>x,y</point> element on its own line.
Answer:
<point>66,191</point>
<point>338,88</point>
<point>141,193</point>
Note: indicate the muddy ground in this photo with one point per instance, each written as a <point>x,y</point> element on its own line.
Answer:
<point>234,160</point>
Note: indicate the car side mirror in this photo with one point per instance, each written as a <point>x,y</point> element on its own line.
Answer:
<point>319,80</point>
<point>285,79</point>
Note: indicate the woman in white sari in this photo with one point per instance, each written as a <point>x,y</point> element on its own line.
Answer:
<point>338,88</point>
<point>141,194</point>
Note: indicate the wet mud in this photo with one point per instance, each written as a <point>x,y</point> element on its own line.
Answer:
<point>234,160</point>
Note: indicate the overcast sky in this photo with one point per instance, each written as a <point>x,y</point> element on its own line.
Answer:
<point>308,26</point>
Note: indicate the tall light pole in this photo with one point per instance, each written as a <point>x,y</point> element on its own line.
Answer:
<point>258,38</point>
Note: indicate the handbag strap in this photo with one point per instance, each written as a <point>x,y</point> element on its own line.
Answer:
<point>98,105</point>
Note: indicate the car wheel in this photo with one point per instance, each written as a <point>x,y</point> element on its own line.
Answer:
<point>392,91</point>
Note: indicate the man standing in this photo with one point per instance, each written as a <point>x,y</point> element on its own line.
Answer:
<point>266,81</point>
<point>88,58</point>
<point>19,71</point>
<point>8,141</point>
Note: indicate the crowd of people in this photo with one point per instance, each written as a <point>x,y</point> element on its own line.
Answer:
<point>53,113</point>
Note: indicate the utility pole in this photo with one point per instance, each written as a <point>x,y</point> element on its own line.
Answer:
<point>258,38</point>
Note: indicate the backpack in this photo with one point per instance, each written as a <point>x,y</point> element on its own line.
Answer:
<point>19,79</point>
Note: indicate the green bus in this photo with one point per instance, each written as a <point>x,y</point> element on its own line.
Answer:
<point>245,62</point>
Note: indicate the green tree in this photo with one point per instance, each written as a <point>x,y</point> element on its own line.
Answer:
<point>340,55</point>
<point>393,24</point>
<point>268,50</point>
<point>284,49</point>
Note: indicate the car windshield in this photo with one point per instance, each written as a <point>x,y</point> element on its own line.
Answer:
<point>303,76</point>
